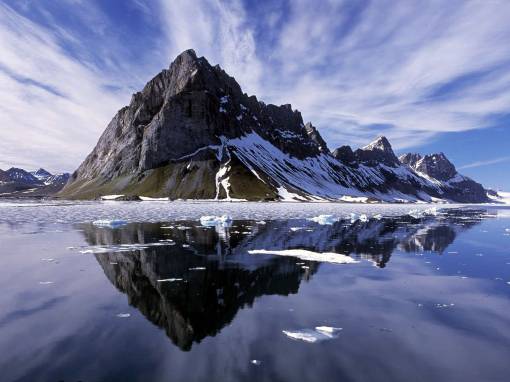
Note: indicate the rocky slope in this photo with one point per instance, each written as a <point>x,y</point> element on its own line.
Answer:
<point>16,182</point>
<point>192,133</point>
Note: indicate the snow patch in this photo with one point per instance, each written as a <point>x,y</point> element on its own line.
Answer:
<point>303,254</point>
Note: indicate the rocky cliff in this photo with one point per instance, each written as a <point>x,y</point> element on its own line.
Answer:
<point>192,133</point>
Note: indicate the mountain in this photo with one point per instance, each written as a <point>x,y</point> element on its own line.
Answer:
<point>16,182</point>
<point>438,169</point>
<point>192,133</point>
<point>41,174</point>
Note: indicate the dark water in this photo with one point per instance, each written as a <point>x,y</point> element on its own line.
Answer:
<point>429,300</point>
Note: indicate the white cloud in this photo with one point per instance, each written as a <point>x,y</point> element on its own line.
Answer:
<point>345,69</point>
<point>485,162</point>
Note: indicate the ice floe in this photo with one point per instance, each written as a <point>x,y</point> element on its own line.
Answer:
<point>320,333</point>
<point>170,280</point>
<point>114,223</point>
<point>45,282</point>
<point>324,219</point>
<point>123,315</point>
<point>121,247</point>
<point>149,199</point>
<point>212,221</point>
<point>303,254</point>
<point>111,197</point>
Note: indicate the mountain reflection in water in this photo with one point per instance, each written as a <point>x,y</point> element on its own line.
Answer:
<point>212,275</point>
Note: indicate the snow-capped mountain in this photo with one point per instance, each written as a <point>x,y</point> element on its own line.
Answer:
<point>19,182</point>
<point>41,174</point>
<point>192,133</point>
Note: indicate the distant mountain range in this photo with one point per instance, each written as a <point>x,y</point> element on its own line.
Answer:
<point>192,133</point>
<point>20,183</point>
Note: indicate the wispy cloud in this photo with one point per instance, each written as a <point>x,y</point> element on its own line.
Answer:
<point>54,103</point>
<point>356,69</point>
<point>485,162</point>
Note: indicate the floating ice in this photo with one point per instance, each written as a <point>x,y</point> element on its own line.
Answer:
<point>197,269</point>
<point>121,247</point>
<point>255,362</point>
<point>47,259</point>
<point>320,333</point>
<point>363,218</point>
<point>115,223</point>
<point>377,216</point>
<point>149,199</point>
<point>303,254</point>
<point>416,213</point>
<point>45,282</point>
<point>324,219</point>
<point>123,315</point>
<point>111,197</point>
<point>170,280</point>
<point>212,221</point>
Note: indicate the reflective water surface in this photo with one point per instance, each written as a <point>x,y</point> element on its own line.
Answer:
<point>174,300</point>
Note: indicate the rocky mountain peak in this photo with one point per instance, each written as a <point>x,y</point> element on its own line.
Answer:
<point>41,174</point>
<point>437,166</point>
<point>410,159</point>
<point>315,136</point>
<point>378,151</point>
<point>380,143</point>
<point>345,155</point>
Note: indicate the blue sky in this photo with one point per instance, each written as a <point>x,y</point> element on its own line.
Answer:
<point>430,75</point>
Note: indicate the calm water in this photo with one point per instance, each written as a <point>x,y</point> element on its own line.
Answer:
<point>164,298</point>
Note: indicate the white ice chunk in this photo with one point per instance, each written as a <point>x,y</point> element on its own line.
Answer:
<point>212,221</point>
<point>363,218</point>
<point>303,254</point>
<point>324,219</point>
<point>111,197</point>
<point>320,333</point>
<point>170,280</point>
<point>149,199</point>
<point>114,223</point>
<point>123,315</point>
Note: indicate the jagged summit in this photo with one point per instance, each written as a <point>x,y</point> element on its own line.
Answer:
<point>376,152</point>
<point>315,136</point>
<point>191,132</point>
<point>380,143</point>
<point>41,174</point>
<point>434,165</point>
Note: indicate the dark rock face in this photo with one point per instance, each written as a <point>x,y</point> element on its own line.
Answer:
<point>192,133</point>
<point>436,166</point>
<point>314,135</point>
<point>377,152</point>
<point>346,155</point>
<point>455,185</point>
